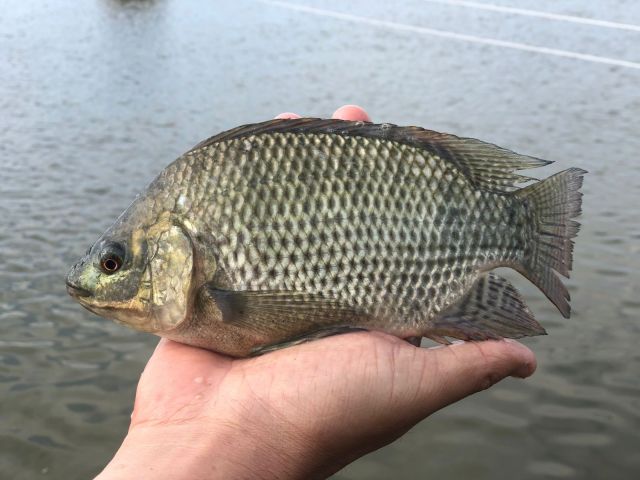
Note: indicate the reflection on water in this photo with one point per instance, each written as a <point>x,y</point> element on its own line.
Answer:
<point>97,97</point>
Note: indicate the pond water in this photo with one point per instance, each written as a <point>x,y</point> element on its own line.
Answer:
<point>96,97</point>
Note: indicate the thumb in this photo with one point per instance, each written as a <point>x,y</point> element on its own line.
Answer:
<point>457,371</point>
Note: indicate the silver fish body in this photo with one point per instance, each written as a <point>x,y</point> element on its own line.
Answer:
<point>279,232</point>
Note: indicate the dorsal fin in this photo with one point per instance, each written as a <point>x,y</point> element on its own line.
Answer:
<point>485,164</point>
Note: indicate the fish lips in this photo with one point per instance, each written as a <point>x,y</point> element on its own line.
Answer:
<point>77,292</point>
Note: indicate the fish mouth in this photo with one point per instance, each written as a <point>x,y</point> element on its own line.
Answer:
<point>76,291</point>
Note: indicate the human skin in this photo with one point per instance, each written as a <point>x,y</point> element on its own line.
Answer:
<point>301,412</point>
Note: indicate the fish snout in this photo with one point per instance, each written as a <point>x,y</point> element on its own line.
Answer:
<point>73,287</point>
<point>76,291</point>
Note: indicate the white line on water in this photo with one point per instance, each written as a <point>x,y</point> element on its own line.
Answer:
<point>536,13</point>
<point>453,35</point>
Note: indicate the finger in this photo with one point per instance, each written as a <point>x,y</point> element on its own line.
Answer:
<point>287,115</point>
<point>452,373</point>
<point>351,112</point>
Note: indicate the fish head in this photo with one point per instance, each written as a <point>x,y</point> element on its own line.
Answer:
<point>140,278</point>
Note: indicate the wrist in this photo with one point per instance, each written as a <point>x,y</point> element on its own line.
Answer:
<point>212,449</point>
<point>159,452</point>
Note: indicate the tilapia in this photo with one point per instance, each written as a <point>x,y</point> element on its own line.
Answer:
<point>278,232</point>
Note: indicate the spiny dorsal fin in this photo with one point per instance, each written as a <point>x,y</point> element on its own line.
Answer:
<point>491,309</point>
<point>485,164</point>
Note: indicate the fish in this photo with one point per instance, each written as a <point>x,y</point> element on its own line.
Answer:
<point>280,232</point>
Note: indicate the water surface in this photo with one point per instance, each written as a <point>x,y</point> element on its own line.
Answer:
<point>98,96</point>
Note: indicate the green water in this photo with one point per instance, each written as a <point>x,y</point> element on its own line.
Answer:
<point>96,97</point>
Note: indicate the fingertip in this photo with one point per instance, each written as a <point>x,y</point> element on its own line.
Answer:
<point>524,356</point>
<point>287,115</point>
<point>462,369</point>
<point>506,357</point>
<point>351,112</point>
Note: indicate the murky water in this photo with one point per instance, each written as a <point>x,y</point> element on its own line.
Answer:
<point>96,97</point>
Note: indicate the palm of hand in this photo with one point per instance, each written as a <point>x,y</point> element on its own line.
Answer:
<point>342,396</point>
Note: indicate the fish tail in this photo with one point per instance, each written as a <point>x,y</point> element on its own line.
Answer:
<point>554,202</point>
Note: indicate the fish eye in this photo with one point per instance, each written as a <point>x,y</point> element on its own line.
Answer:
<point>111,263</point>
<point>112,258</point>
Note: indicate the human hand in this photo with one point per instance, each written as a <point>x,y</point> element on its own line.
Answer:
<point>301,412</point>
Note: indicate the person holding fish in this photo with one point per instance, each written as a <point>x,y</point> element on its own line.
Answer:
<point>246,407</point>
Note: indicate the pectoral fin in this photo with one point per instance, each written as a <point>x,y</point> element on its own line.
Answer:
<point>279,318</point>
<point>492,309</point>
<point>288,313</point>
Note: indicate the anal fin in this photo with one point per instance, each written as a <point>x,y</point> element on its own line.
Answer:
<point>491,309</point>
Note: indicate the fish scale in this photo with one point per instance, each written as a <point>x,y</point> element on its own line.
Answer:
<point>280,232</point>
<point>335,201</point>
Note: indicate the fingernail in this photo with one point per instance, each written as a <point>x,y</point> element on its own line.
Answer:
<point>351,112</point>
<point>288,115</point>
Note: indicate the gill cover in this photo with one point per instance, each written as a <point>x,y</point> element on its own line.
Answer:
<point>167,280</point>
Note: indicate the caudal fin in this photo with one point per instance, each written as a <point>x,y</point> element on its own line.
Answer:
<point>554,202</point>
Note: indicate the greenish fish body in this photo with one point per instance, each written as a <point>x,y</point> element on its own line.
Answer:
<point>287,230</point>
